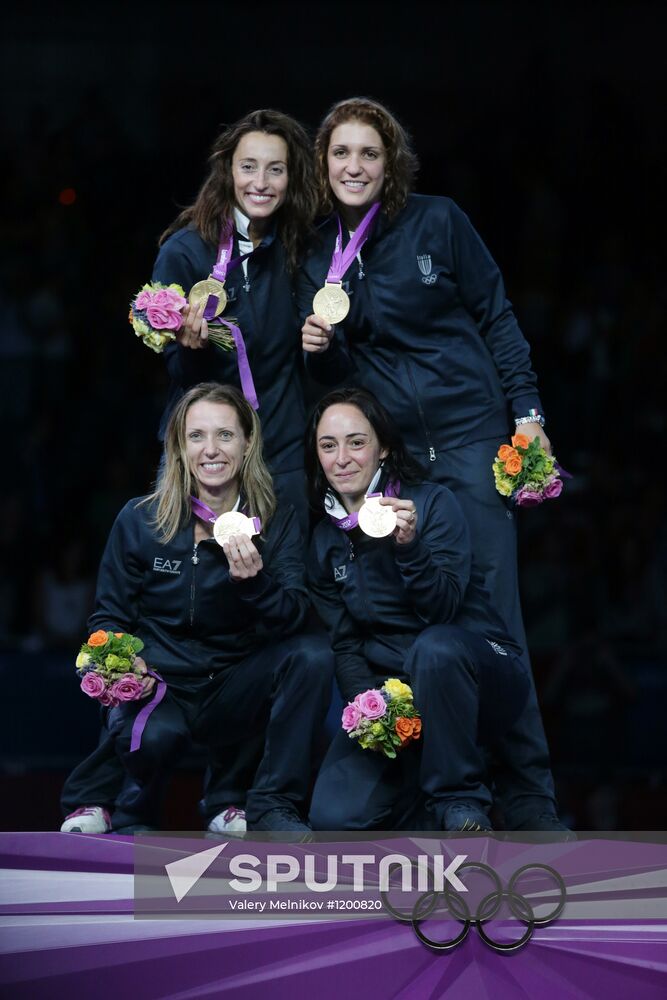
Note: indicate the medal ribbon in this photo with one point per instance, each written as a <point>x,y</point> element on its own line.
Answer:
<point>224,263</point>
<point>140,721</point>
<point>350,522</point>
<point>342,259</point>
<point>220,271</point>
<point>202,510</point>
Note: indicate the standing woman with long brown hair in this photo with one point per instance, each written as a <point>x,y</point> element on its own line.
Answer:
<point>402,297</point>
<point>244,234</point>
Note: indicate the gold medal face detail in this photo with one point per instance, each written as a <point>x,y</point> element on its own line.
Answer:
<point>201,291</point>
<point>375,519</point>
<point>331,303</point>
<point>232,523</point>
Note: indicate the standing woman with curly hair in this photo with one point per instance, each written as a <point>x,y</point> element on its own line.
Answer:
<point>246,228</point>
<point>402,297</point>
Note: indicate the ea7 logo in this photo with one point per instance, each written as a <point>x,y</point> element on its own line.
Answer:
<point>425,264</point>
<point>167,565</point>
<point>340,573</point>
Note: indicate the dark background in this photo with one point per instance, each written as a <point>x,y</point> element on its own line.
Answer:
<point>544,121</point>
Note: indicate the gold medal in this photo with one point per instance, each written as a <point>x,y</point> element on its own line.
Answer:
<point>210,286</point>
<point>233,523</point>
<point>376,519</point>
<point>332,303</point>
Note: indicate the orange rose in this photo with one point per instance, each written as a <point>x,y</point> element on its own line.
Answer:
<point>416,732</point>
<point>504,452</point>
<point>119,635</point>
<point>404,728</point>
<point>99,638</point>
<point>520,440</point>
<point>513,465</point>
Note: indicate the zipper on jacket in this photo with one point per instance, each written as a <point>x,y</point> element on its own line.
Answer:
<point>195,560</point>
<point>363,590</point>
<point>351,549</point>
<point>422,417</point>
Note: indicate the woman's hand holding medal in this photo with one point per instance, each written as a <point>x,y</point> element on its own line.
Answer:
<point>331,303</point>
<point>244,560</point>
<point>316,334</point>
<point>406,518</point>
<point>194,332</point>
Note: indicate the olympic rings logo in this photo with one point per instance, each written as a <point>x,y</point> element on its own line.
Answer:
<point>487,909</point>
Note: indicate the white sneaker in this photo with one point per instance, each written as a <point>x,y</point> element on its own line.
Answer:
<point>89,819</point>
<point>232,820</point>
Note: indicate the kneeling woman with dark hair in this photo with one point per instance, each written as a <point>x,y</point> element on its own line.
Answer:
<point>406,606</point>
<point>218,621</point>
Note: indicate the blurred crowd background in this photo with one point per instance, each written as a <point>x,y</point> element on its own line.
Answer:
<point>545,122</point>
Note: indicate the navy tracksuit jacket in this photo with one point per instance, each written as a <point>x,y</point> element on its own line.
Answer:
<point>263,307</point>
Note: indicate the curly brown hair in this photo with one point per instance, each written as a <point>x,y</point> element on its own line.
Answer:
<point>215,200</point>
<point>402,163</point>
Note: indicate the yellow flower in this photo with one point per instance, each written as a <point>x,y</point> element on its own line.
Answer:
<point>177,288</point>
<point>140,328</point>
<point>397,689</point>
<point>156,341</point>
<point>82,660</point>
<point>503,485</point>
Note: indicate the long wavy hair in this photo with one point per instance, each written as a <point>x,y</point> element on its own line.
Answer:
<point>401,164</point>
<point>215,201</point>
<point>176,484</point>
<point>399,463</point>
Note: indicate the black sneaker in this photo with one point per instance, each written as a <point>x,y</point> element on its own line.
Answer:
<point>466,817</point>
<point>545,822</point>
<point>280,820</point>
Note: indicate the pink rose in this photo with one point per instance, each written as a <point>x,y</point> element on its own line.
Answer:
<point>351,717</point>
<point>93,685</point>
<point>162,318</point>
<point>167,298</point>
<point>127,688</point>
<point>527,498</point>
<point>143,300</point>
<point>106,698</point>
<point>553,488</point>
<point>371,704</point>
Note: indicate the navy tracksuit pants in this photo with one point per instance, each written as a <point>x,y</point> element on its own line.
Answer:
<point>469,691</point>
<point>520,763</point>
<point>261,719</point>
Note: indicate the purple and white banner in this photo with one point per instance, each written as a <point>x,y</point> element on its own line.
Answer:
<point>414,915</point>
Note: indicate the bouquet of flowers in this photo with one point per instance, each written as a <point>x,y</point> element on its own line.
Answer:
<point>524,472</point>
<point>156,315</point>
<point>105,665</point>
<point>385,720</point>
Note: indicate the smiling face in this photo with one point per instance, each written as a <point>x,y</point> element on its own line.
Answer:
<point>215,447</point>
<point>259,172</point>
<point>356,160</point>
<point>349,452</point>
